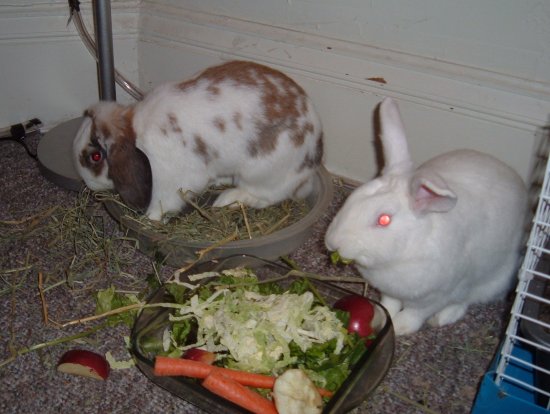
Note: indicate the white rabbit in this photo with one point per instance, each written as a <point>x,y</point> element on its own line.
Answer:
<point>240,122</point>
<point>435,239</point>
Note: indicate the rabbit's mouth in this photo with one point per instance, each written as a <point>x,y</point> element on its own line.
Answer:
<point>337,259</point>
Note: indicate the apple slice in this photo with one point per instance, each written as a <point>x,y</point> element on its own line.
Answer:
<point>361,313</point>
<point>197,354</point>
<point>84,363</point>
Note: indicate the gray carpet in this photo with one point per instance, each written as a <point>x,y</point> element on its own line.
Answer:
<point>434,371</point>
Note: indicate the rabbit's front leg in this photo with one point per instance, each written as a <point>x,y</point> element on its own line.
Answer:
<point>409,320</point>
<point>449,314</point>
<point>392,305</point>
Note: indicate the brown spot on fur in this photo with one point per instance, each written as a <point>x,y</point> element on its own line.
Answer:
<point>313,160</point>
<point>299,136</point>
<point>266,140</point>
<point>118,128</point>
<point>105,130</point>
<point>188,84</point>
<point>219,123</point>
<point>204,151</point>
<point>214,90</point>
<point>174,125</point>
<point>124,139</point>
<point>283,100</point>
<point>238,119</point>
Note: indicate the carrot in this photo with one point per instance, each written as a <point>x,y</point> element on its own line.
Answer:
<point>167,366</point>
<point>231,390</point>
<point>324,392</point>
<point>250,379</point>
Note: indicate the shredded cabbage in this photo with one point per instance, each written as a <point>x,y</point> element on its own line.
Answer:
<point>256,329</point>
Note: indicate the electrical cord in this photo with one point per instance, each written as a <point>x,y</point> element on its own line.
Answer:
<point>18,133</point>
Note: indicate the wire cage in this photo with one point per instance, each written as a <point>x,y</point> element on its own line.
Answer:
<point>519,377</point>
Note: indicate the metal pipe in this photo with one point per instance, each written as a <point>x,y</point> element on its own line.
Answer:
<point>104,42</point>
<point>120,79</point>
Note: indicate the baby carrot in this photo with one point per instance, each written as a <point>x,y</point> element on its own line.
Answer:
<point>249,378</point>
<point>324,392</point>
<point>167,366</point>
<point>231,390</point>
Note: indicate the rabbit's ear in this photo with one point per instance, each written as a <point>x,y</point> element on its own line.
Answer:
<point>130,171</point>
<point>394,139</point>
<point>129,167</point>
<point>430,193</point>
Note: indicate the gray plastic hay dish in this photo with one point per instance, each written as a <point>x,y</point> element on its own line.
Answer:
<point>178,253</point>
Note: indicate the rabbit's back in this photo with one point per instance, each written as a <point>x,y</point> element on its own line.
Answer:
<point>484,231</point>
<point>491,196</point>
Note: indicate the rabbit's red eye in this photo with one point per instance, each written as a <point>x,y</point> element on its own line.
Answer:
<point>96,156</point>
<point>384,220</point>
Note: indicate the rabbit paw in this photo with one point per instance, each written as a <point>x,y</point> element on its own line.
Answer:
<point>407,322</point>
<point>236,195</point>
<point>392,305</point>
<point>154,214</point>
<point>448,315</point>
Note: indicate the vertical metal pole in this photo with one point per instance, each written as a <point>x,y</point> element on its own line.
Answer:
<point>104,42</point>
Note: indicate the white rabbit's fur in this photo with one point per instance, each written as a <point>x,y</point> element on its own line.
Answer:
<point>239,122</point>
<point>454,239</point>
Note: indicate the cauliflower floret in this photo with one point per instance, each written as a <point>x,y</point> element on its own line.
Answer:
<point>295,393</point>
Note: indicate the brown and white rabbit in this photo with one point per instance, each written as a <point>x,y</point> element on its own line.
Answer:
<point>238,122</point>
<point>435,239</point>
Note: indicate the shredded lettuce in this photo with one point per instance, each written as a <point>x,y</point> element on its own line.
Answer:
<point>260,327</point>
<point>119,364</point>
<point>256,329</point>
<point>109,299</point>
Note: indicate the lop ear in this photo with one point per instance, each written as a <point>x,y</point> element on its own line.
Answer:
<point>430,193</point>
<point>130,171</point>
<point>394,139</point>
<point>129,167</point>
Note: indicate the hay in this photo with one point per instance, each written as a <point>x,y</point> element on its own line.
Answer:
<point>205,223</point>
<point>81,249</point>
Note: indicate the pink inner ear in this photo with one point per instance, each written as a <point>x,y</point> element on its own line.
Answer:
<point>425,193</point>
<point>427,199</point>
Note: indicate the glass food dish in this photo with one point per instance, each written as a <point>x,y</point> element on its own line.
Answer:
<point>365,376</point>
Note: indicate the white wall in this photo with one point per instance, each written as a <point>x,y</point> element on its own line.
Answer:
<point>45,70</point>
<point>466,73</point>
